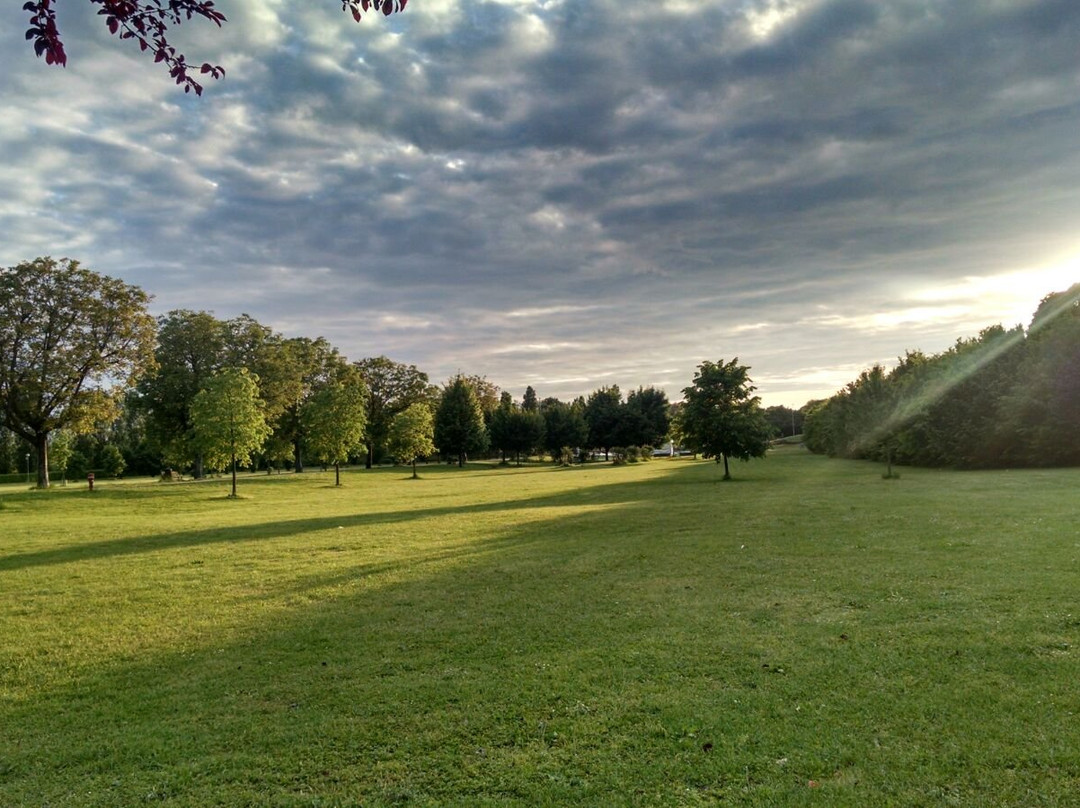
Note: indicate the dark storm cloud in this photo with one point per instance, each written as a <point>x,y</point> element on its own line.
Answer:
<point>570,193</point>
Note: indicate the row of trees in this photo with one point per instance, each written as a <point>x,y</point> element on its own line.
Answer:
<point>1005,398</point>
<point>87,376</point>
<point>469,422</point>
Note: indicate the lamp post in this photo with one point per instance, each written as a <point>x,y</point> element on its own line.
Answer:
<point>28,468</point>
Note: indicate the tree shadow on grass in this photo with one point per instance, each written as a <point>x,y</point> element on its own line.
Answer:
<point>609,494</point>
<point>582,659</point>
<point>453,681</point>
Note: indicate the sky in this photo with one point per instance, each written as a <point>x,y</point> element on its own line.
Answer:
<point>570,194</point>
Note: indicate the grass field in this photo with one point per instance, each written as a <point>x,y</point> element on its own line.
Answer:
<point>809,634</point>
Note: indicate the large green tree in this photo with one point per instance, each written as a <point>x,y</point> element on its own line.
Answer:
<point>645,418</point>
<point>190,350</point>
<point>459,421</point>
<point>603,414</point>
<point>1043,409</point>
<point>720,416</point>
<point>228,420</point>
<point>392,388</point>
<point>564,428</point>
<point>334,419</point>
<point>515,430</point>
<point>296,368</point>
<point>70,340</point>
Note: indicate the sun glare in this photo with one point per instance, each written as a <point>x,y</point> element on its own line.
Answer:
<point>1010,297</point>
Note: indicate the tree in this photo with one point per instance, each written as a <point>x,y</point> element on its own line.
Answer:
<point>645,420</point>
<point>61,448</point>
<point>296,368</point>
<point>392,388</point>
<point>1044,406</point>
<point>69,340</point>
<point>527,429</point>
<point>459,422</point>
<point>515,429</point>
<point>784,421</point>
<point>603,411</point>
<point>487,394</point>
<point>228,420</point>
<point>499,426</point>
<point>564,428</point>
<point>334,421</point>
<point>412,435</point>
<point>529,402</point>
<point>720,417</point>
<point>112,460</point>
<point>148,23</point>
<point>190,350</point>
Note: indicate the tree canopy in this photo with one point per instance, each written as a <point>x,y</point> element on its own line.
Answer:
<point>228,420</point>
<point>1004,398</point>
<point>69,338</point>
<point>392,388</point>
<point>334,419</point>
<point>564,428</point>
<point>459,421</point>
<point>149,22</point>
<point>720,416</point>
<point>190,349</point>
<point>602,414</point>
<point>412,435</point>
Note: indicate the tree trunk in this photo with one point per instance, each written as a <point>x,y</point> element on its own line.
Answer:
<point>41,445</point>
<point>233,495</point>
<point>197,471</point>
<point>298,462</point>
<point>415,476</point>
<point>337,473</point>
<point>727,471</point>
<point>370,459</point>
<point>461,460</point>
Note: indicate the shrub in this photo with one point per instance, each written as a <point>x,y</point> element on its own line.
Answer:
<point>112,461</point>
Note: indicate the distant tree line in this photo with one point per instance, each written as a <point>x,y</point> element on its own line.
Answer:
<point>1006,398</point>
<point>89,381</point>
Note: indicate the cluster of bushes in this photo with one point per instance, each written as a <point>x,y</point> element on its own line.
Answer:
<point>621,455</point>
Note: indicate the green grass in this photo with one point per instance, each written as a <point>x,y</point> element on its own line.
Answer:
<point>808,634</point>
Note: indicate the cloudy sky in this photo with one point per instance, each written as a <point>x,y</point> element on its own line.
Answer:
<point>570,193</point>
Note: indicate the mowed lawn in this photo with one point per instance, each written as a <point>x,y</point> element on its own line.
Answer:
<point>808,634</point>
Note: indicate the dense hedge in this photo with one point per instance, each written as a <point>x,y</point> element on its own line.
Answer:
<point>1006,398</point>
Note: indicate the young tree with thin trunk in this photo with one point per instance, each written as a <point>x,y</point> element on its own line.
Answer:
<point>228,420</point>
<point>61,448</point>
<point>70,340</point>
<point>412,435</point>
<point>334,419</point>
